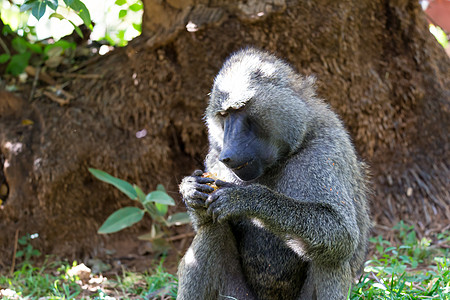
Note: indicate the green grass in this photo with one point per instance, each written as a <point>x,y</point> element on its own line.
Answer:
<point>415,269</point>
<point>410,268</point>
<point>50,280</point>
<point>53,282</point>
<point>159,284</point>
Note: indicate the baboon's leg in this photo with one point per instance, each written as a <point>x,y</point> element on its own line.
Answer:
<point>210,268</point>
<point>331,283</point>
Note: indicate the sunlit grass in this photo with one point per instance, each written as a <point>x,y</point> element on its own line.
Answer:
<point>49,280</point>
<point>54,281</point>
<point>412,269</point>
<point>416,269</point>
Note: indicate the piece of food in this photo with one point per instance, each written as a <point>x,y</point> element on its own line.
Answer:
<point>212,176</point>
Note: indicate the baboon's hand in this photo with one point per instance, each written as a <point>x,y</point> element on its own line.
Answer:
<point>226,202</point>
<point>195,190</point>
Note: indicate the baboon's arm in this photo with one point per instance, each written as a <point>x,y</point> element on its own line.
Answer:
<point>324,227</point>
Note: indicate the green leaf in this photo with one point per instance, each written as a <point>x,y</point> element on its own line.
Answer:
<point>36,48</point>
<point>108,39</point>
<point>77,29</point>
<point>28,5</point>
<point>62,44</point>
<point>24,240</point>
<point>122,185</point>
<point>19,44</point>
<point>7,30</point>
<point>121,34</point>
<point>136,6</point>
<point>68,2</point>
<point>18,63</point>
<point>178,219</point>
<point>53,4</point>
<point>82,11</point>
<point>151,209</point>
<point>140,194</point>
<point>123,218</point>
<point>161,208</point>
<point>122,13</point>
<point>38,10</point>
<point>137,26</point>
<point>19,253</point>
<point>4,58</point>
<point>121,2</point>
<point>38,7</point>
<point>159,197</point>
<point>161,188</point>
<point>56,15</point>
<point>58,48</point>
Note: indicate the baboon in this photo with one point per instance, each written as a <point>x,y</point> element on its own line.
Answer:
<point>290,219</point>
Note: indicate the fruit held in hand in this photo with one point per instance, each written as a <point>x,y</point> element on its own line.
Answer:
<point>212,176</point>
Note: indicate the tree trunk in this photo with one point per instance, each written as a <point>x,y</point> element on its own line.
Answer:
<point>375,61</point>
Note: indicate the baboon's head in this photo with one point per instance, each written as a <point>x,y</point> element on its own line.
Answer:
<point>256,114</point>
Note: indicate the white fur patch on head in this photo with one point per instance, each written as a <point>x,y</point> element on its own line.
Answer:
<point>216,131</point>
<point>268,69</point>
<point>235,81</point>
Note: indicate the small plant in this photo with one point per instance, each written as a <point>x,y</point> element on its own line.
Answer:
<point>161,284</point>
<point>417,269</point>
<point>27,251</point>
<point>155,203</point>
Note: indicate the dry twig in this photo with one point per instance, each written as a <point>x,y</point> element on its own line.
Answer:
<point>16,240</point>
<point>55,98</point>
<point>75,75</point>
<point>36,78</point>
<point>180,236</point>
<point>42,75</point>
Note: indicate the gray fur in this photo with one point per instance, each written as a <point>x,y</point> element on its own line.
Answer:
<point>298,231</point>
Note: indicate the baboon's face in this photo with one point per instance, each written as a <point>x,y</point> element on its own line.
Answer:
<point>250,100</point>
<point>246,149</point>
